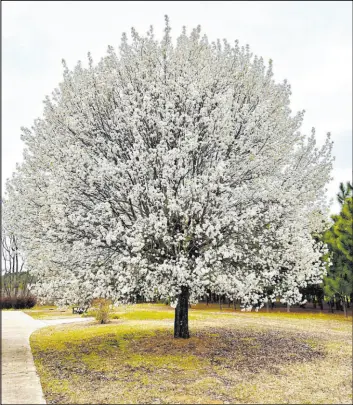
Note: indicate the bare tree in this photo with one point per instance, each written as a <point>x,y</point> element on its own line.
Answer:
<point>14,280</point>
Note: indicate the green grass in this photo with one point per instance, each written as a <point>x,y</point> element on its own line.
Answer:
<point>139,315</point>
<point>50,313</point>
<point>147,315</point>
<point>197,312</point>
<point>231,358</point>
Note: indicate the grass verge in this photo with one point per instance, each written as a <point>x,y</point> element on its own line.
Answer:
<point>230,358</point>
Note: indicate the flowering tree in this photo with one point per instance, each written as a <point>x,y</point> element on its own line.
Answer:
<point>170,169</point>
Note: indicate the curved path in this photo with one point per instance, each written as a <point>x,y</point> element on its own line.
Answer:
<point>20,383</point>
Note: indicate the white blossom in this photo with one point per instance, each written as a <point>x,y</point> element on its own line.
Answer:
<point>166,166</point>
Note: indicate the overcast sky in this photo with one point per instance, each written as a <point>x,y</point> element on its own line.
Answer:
<point>310,44</point>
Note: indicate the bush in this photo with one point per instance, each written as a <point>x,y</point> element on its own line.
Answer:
<point>20,302</point>
<point>6,302</point>
<point>101,310</point>
<point>31,301</point>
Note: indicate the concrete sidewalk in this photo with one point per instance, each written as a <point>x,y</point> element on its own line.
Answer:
<point>20,383</point>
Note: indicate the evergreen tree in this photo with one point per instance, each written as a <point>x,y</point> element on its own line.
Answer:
<point>345,191</point>
<point>338,282</point>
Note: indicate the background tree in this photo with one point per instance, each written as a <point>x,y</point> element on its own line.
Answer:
<point>345,190</point>
<point>14,279</point>
<point>169,170</point>
<point>339,281</point>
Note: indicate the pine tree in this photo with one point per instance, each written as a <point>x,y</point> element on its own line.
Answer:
<point>339,280</point>
<point>345,191</point>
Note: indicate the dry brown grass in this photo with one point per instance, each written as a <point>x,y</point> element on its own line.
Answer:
<point>230,358</point>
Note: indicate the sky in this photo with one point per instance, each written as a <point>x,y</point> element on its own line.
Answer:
<point>310,44</point>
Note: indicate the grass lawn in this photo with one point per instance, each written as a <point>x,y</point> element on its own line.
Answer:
<point>232,357</point>
<point>49,312</point>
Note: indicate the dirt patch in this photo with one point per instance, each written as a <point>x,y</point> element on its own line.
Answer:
<point>241,350</point>
<point>253,351</point>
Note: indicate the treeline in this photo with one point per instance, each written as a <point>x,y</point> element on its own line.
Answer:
<point>314,296</point>
<point>15,282</point>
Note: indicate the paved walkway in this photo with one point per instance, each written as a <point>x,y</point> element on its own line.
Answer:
<point>20,383</point>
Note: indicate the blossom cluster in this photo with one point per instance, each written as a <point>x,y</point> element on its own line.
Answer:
<point>169,165</point>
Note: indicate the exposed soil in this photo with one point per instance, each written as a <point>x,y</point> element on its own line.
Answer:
<point>243,350</point>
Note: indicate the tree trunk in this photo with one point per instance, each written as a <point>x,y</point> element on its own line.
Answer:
<point>337,304</point>
<point>220,303</point>
<point>267,306</point>
<point>321,304</point>
<point>314,302</point>
<point>345,307</point>
<point>288,308</point>
<point>181,320</point>
<point>234,305</point>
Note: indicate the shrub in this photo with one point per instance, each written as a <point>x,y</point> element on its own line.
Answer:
<point>20,302</point>
<point>101,309</point>
<point>91,312</point>
<point>6,302</point>
<point>31,301</point>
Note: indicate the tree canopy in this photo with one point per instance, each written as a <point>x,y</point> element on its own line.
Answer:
<point>169,169</point>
